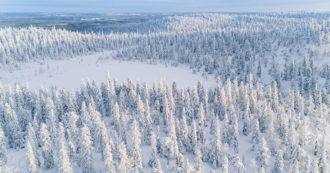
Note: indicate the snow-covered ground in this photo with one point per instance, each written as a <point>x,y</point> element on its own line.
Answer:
<point>70,73</point>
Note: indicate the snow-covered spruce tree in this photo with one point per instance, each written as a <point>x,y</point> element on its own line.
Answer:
<point>84,118</point>
<point>3,152</point>
<point>179,163</point>
<point>154,162</point>
<point>86,151</point>
<point>32,164</point>
<point>201,115</point>
<point>116,118</point>
<point>32,138</point>
<point>147,125</point>
<point>255,138</point>
<point>238,166</point>
<point>14,134</point>
<point>104,140</point>
<point>263,154</point>
<point>225,165</point>
<point>47,147</point>
<point>72,150</point>
<point>108,159</point>
<point>96,128</point>
<point>216,153</point>
<point>225,135</point>
<point>234,134</point>
<point>323,163</point>
<point>246,118</point>
<point>183,134</point>
<point>73,128</point>
<point>279,163</point>
<point>193,137</point>
<point>140,111</point>
<point>198,162</point>
<point>189,168</point>
<point>135,148</point>
<point>50,117</point>
<point>315,167</point>
<point>124,162</point>
<point>64,164</point>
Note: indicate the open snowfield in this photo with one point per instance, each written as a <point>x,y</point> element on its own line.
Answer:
<point>70,73</point>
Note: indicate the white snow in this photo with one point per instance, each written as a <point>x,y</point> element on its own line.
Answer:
<point>70,73</point>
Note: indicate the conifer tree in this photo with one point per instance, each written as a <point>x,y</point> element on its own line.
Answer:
<point>64,164</point>
<point>86,153</point>
<point>225,165</point>
<point>32,162</point>
<point>3,153</point>
<point>263,154</point>
<point>124,165</point>
<point>278,165</point>
<point>136,147</point>
<point>47,147</point>
<point>14,134</point>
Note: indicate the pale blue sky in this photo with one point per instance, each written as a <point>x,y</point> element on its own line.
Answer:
<point>117,6</point>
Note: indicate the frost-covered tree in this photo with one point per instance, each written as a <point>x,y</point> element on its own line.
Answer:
<point>225,165</point>
<point>154,161</point>
<point>64,164</point>
<point>255,134</point>
<point>136,147</point>
<point>189,168</point>
<point>108,158</point>
<point>263,154</point>
<point>116,117</point>
<point>13,129</point>
<point>3,152</point>
<point>279,163</point>
<point>193,137</point>
<point>238,166</point>
<point>86,151</point>
<point>198,162</point>
<point>323,162</point>
<point>32,164</point>
<point>47,147</point>
<point>124,163</point>
<point>216,153</point>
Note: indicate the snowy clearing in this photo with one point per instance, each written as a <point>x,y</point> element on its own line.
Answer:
<point>70,73</point>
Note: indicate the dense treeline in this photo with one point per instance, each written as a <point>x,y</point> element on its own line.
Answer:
<point>233,127</point>
<point>288,48</point>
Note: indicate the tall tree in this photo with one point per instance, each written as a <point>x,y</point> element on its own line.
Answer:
<point>86,153</point>
<point>47,147</point>
<point>31,160</point>
<point>64,164</point>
